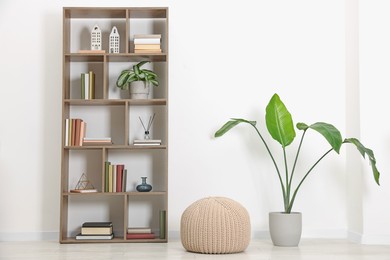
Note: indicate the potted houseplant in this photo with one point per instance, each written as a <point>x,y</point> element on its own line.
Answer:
<point>285,227</point>
<point>137,80</point>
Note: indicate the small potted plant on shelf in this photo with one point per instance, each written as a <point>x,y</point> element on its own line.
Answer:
<point>137,80</point>
<point>285,227</point>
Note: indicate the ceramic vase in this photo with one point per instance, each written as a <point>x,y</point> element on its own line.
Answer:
<point>144,187</point>
<point>285,228</point>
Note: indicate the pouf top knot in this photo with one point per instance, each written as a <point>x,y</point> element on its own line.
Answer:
<point>215,225</point>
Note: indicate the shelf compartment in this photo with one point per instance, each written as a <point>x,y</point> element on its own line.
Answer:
<point>145,212</point>
<point>143,163</point>
<point>95,209</point>
<point>102,121</point>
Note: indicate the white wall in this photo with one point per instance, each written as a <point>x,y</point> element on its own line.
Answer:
<point>227,58</point>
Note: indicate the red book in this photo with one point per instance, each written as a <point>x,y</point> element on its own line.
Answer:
<point>73,132</point>
<point>119,175</point>
<point>140,236</point>
<point>77,132</point>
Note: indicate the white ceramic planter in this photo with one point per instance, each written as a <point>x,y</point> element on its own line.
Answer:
<point>285,229</point>
<point>139,90</point>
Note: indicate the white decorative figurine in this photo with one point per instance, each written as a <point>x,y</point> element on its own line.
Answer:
<point>114,40</point>
<point>96,38</point>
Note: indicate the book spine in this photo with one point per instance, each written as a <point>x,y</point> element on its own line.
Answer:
<point>119,178</point>
<point>73,132</point>
<point>147,46</point>
<point>162,223</point>
<point>83,127</point>
<point>91,85</point>
<point>147,41</point>
<point>114,180</point>
<point>124,180</point>
<point>82,85</point>
<point>86,86</point>
<point>66,132</point>
<point>110,178</point>
<point>106,175</point>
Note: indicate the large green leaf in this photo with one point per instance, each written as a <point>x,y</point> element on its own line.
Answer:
<point>279,121</point>
<point>363,151</point>
<point>331,134</point>
<point>230,124</point>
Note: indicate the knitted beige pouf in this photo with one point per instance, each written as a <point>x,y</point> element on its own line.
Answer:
<point>215,225</point>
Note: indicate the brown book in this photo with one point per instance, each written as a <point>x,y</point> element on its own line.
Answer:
<point>147,46</point>
<point>77,132</point>
<point>147,51</point>
<point>82,132</point>
<point>73,132</point>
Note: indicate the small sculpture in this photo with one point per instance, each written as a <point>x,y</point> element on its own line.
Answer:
<point>114,41</point>
<point>96,38</point>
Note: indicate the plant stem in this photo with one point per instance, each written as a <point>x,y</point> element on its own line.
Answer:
<point>295,163</point>
<point>276,166</point>
<point>299,185</point>
<point>287,199</point>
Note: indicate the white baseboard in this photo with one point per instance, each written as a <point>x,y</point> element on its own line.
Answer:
<point>29,236</point>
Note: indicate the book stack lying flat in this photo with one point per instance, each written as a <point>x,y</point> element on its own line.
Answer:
<point>140,233</point>
<point>147,43</point>
<point>147,142</point>
<point>97,141</point>
<point>96,230</point>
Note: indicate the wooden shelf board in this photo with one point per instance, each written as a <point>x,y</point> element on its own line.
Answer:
<point>130,193</point>
<point>72,240</point>
<point>95,12</point>
<point>119,147</point>
<point>116,102</point>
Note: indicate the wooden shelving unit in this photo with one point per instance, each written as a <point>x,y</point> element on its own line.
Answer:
<point>112,113</point>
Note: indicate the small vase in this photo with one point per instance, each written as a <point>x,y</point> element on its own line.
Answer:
<point>144,187</point>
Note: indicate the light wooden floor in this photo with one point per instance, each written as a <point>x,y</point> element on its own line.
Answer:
<point>310,249</point>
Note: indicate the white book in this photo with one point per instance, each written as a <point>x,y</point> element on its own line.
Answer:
<point>145,141</point>
<point>86,86</point>
<point>147,41</point>
<point>67,132</point>
<point>139,230</point>
<point>86,237</point>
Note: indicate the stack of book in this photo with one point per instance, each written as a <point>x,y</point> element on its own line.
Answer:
<point>96,230</point>
<point>88,85</point>
<point>147,43</point>
<point>97,141</point>
<point>147,142</point>
<point>74,131</point>
<point>115,177</point>
<point>140,233</point>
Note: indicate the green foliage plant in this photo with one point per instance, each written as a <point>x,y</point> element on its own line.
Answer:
<point>136,74</point>
<point>281,128</point>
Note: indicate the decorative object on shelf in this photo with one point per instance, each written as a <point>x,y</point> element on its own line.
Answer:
<point>215,225</point>
<point>114,41</point>
<point>84,185</point>
<point>96,38</point>
<point>280,126</point>
<point>147,129</point>
<point>144,187</point>
<point>139,80</point>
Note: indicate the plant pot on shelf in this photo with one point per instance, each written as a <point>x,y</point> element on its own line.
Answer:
<point>139,90</point>
<point>285,228</point>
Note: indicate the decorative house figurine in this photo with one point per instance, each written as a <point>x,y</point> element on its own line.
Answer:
<point>96,38</point>
<point>114,40</point>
